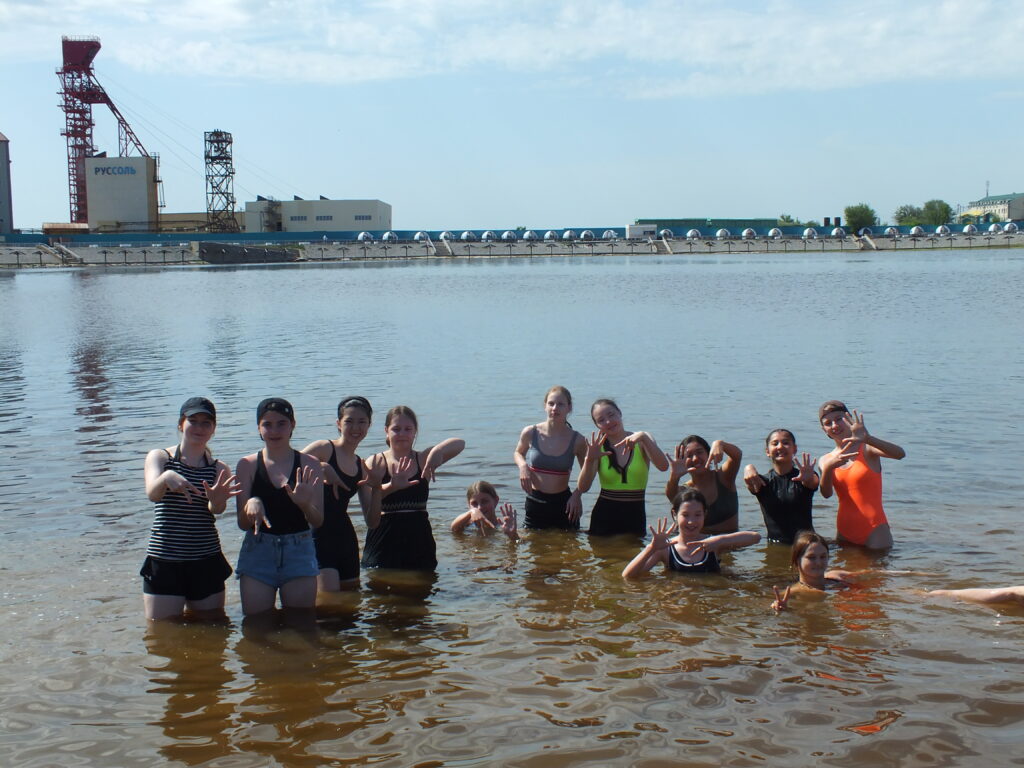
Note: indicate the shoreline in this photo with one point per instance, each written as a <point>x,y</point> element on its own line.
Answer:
<point>42,256</point>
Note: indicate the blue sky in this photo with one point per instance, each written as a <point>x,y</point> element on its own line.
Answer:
<point>469,113</point>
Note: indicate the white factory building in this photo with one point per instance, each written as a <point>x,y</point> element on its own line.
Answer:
<point>298,215</point>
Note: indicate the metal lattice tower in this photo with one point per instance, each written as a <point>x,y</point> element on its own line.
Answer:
<point>220,183</point>
<point>79,90</point>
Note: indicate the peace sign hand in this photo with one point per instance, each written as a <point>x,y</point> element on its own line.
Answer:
<point>781,599</point>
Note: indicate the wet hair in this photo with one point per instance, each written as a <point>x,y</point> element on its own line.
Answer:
<point>779,429</point>
<point>689,494</point>
<point>355,401</point>
<point>481,486</point>
<point>803,540</point>
<point>558,389</point>
<point>694,439</point>
<point>394,413</point>
<point>605,401</point>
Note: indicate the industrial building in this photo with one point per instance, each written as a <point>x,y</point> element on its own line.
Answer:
<point>1008,207</point>
<point>298,215</point>
<point>6,205</point>
<point>121,194</point>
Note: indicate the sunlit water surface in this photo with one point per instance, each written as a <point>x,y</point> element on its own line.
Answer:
<point>537,654</point>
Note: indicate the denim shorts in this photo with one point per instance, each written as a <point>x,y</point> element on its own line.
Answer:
<point>276,560</point>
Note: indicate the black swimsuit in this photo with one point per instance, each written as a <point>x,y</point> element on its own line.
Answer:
<point>336,543</point>
<point>403,539</point>
<point>708,565</point>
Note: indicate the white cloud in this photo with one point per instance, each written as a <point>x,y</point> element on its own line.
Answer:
<point>672,48</point>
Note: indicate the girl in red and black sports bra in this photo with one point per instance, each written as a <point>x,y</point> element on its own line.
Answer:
<point>545,456</point>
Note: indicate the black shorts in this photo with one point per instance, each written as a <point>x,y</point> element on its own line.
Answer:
<point>191,579</point>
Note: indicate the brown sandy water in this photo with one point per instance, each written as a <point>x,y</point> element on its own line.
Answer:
<point>535,654</point>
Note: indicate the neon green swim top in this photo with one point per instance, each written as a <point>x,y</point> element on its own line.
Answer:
<point>615,478</point>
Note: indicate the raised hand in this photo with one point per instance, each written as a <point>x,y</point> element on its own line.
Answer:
<point>805,470</point>
<point>178,484</point>
<point>595,447</point>
<point>223,488</point>
<point>677,462</point>
<point>662,535</point>
<point>302,493</point>
<point>332,479</point>
<point>844,453</point>
<point>781,598</point>
<point>256,514</point>
<point>856,423</point>
<point>374,475</point>
<point>752,479</point>
<point>402,471</point>
<point>507,517</point>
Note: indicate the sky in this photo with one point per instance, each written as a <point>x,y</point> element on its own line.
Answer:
<point>496,114</point>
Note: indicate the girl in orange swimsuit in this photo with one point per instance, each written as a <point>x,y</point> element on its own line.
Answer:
<point>854,470</point>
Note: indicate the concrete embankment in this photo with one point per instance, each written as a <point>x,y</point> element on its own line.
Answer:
<point>37,256</point>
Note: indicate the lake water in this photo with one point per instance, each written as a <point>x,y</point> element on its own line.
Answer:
<point>537,654</point>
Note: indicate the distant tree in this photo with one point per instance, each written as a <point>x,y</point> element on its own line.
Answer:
<point>859,216</point>
<point>908,215</point>
<point>786,220</point>
<point>936,212</point>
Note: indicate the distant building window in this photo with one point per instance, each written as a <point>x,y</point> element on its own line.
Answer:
<point>363,217</point>
<point>296,218</point>
<point>325,218</point>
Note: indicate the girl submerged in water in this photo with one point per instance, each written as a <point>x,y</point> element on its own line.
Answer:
<point>810,561</point>
<point>545,456</point>
<point>482,500</point>
<point>404,539</point>
<point>786,493</point>
<point>278,508</point>
<point>345,476</point>
<point>854,470</point>
<point>621,460</point>
<point>691,551</point>
<point>184,567</point>
<point>712,469</point>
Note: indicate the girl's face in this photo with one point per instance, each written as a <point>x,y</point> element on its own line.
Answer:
<point>781,447</point>
<point>557,407</point>
<point>483,502</point>
<point>607,419</point>
<point>690,517</point>
<point>835,425</point>
<point>198,428</point>
<point>353,424</point>
<point>695,456</point>
<point>401,432</point>
<point>276,428</point>
<point>814,562</point>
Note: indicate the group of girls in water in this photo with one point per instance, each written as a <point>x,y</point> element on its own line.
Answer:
<point>299,540</point>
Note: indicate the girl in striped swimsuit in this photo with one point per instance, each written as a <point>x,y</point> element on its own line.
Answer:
<point>184,567</point>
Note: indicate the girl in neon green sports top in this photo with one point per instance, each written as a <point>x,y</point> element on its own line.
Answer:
<point>621,461</point>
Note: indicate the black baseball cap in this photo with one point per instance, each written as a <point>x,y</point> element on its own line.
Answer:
<point>832,405</point>
<point>276,404</point>
<point>195,405</point>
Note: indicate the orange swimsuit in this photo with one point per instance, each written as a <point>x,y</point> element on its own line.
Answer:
<point>859,489</point>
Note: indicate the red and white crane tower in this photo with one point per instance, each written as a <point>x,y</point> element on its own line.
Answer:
<point>79,90</point>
